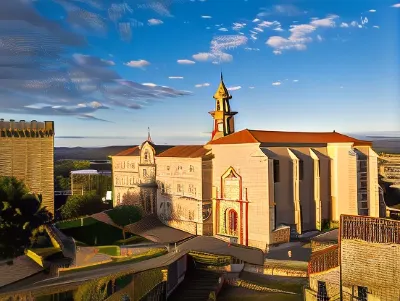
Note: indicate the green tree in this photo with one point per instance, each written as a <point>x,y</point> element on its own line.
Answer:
<point>62,170</point>
<point>21,218</point>
<point>82,205</point>
<point>125,215</point>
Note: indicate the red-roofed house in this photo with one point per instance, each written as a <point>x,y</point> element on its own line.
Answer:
<point>256,187</point>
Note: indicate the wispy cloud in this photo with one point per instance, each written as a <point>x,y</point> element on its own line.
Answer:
<point>153,22</point>
<point>206,17</point>
<point>202,85</point>
<point>186,62</point>
<point>44,72</point>
<point>219,44</point>
<point>251,87</point>
<point>222,29</point>
<point>295,80</point>
<point>376,26</point>
<point>372,10</point>
<point>344,24</point>
<point>286,10</point>
<point>235,88</point>
<point>397,5</point>
<point>175,77</point>
<point>299,35</point>
<point>276,83</point>
<point>137,64</point>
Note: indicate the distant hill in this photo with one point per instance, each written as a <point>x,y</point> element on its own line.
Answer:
<point>87,153</point>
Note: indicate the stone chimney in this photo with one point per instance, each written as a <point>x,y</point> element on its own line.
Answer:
<point>22,125</point>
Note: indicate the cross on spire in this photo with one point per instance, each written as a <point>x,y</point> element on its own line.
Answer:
<point>148,135</point>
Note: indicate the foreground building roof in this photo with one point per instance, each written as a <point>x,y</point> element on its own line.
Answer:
<point>21,268</point>
<point>185,151</point>
<point>277,137</point>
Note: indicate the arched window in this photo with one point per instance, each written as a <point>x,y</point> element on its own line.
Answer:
<point>146,155</point>
<point>232,221</point>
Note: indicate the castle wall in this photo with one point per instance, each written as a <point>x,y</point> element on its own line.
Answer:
<point>27,153</point>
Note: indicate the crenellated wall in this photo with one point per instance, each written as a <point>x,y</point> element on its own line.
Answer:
<point>27,153</point>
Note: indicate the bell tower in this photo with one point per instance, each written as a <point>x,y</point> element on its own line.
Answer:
<point>224,122</point>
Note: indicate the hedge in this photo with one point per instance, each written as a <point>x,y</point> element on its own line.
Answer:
<point>110,250</point>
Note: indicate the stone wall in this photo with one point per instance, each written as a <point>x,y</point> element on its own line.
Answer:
<point>318,246</point>
<point>27,153</point>
<point>280,235</point>
<point>375,266</point>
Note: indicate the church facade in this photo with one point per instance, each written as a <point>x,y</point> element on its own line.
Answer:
<point>250,187</point>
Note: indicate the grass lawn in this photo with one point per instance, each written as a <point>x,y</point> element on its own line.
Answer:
<point>110,250</point>
<point>131,240</point>
<point>153,253</point>
<point>96,234</point>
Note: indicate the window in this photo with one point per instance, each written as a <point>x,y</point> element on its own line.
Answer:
<point>276,171</point>
<point>144,172</point>
<point>191,168</point>
<point>179,188</point>
<point>362,293</point>
<point>162,188</point>
<point>322,294</point>
<point>168,167</point>
<point>179,167</point>
<point>301,170</point>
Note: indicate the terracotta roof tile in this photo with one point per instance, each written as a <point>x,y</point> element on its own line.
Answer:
<point>257,136</point>
<point>128,152</point>
<point>185,151</point>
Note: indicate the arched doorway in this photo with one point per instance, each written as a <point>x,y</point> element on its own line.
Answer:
<point>232,222</point>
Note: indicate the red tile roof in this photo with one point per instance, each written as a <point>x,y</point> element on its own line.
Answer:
<point>128,152</point>
<point>185,151</point>
<point>256,136</point>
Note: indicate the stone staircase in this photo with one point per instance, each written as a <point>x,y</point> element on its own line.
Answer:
<point>197,285</point>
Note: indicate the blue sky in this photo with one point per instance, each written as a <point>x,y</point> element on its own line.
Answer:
<point>111,69</point>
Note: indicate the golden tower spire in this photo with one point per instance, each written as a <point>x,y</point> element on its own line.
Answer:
<point>148,135</point>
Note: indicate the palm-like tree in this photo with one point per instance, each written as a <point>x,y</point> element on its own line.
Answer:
<point>21,218</point>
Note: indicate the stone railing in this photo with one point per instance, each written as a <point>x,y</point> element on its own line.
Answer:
<point>370,229</point>
<point>324,260</point>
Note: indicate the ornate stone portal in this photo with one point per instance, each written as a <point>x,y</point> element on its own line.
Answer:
<point>230,214</point>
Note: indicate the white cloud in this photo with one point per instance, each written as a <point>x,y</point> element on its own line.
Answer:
<point>149,85</point>
<point>234,88</point>
<point>206,17</point>
<point>295,80</point>
<point>256,20</point>
<point>326,22</point>
<point>319,38</point>
<point>269,24</point>
<point>252,49</point>
<point>354,23</point>
<point>218,45</point>
<point>186,62</point>
<point>299,35</point>
<point>376,26</point>
<point>175,77</point>
<point>251,87</point>
<point>276,83</point>
<point>155,22</point>
<point>397,5</point>
<point>223,29</point>
<point>372,10</point>
<point>278,29</point>
<point>137,64</point>
<point>343,24</point>
<point>202,85</point>
<point>108,62</point>
<point>208,56</point>
<point>238,26</point>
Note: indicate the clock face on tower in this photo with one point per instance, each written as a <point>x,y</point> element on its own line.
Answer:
<point>220,127</point>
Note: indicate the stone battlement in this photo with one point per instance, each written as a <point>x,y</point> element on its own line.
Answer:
<point>24,128</point>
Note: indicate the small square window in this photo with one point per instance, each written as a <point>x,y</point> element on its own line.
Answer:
<point>191,168</point>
